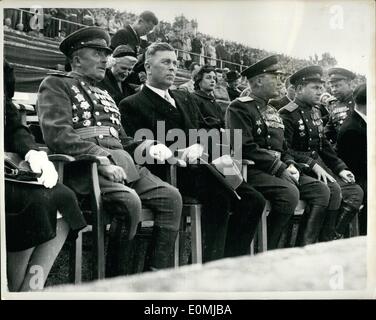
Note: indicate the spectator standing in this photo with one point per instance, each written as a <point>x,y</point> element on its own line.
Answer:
<point>196,48</point>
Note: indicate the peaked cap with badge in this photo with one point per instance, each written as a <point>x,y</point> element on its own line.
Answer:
<point>336,74</point>
<point>307,74</point>
<point>89,37</point>
<point>267,65</point>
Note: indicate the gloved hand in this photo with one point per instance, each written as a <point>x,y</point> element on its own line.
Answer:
<point>286,175</point>
<point>160,152</point>
<point>192,153</point>
<point>49,175</point>
<point>36,159</point>
<point>39,163</point>
<point>294,172</point>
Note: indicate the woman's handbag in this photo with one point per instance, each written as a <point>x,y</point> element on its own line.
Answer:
<point>18,169</point>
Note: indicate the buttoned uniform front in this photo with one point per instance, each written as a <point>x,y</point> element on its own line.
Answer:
<point>263,142</point>
<point>148,109</point>
<point>343,107</point>
<point>340,110</point>
<point>76,118</point>
<point>248,210</point>
<point>306,139</point>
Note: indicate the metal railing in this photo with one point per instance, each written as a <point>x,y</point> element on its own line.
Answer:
<point>58,25</point>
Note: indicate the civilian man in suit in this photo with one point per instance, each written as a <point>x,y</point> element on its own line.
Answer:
<point>352,145</point>
<point>178,110</point>
<point>115,80</point>
<point>131,36</point>
<point>77,117</point>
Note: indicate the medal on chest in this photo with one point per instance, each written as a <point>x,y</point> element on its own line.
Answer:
<point>272,118</point>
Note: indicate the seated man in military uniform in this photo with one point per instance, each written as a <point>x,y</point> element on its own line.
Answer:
<point>274,173</point>
<point>76,118</point>
<point>340,87</point>
<point>304,132</point>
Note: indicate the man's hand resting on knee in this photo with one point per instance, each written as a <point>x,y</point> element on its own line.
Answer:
<point>112,172</point>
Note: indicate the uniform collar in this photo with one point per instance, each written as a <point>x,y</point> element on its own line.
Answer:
<point>302,104</point>
<point>259,100</point>
<point>81,76</point>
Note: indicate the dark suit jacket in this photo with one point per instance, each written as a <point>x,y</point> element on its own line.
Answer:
<point>130,37</point>
<point>352,145</point>
<point>143,109</point>
<point>126,36</point>
<point>109,83</point>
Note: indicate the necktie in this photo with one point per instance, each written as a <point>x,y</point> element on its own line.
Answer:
<point>169,99</point>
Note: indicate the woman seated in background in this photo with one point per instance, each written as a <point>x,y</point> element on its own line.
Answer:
<point>38,216</point>
<point>246,211</point>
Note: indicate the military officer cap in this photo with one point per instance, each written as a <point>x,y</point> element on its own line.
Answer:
<point>307,74</point>
<point>89,37</point>
<point>360,94</point>
<point>267,65</point>
<point>336,74</point>
<point>123,50</point>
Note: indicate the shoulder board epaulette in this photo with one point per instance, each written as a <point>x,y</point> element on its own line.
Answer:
<point>244,99</point>
<point>59,74</point>
<point>290,107</point>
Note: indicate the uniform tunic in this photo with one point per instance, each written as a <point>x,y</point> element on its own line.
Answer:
<point>77,118</point>
<point>339,111</point>
<point>263,142</point>
<point>305,136</point>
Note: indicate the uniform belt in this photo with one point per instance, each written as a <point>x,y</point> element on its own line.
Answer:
<point>96,131</point>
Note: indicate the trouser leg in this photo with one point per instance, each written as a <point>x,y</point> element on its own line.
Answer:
<point>316,195</point>
<point>125,208</point>
<point>351,202</point>
<point>244,220</point>
<point>328,230</point>
<point>283,197</point>
<point>166,203</point>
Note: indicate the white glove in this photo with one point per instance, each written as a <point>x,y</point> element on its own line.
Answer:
<point>160,152</point>
<point>192,153</point>
<point>294,172</point>
<point>39,163</point>
<point>36,159</point>
<point>49,175</point>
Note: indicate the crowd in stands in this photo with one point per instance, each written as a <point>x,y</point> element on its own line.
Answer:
<point>122,72</point>
<point>181,34</point>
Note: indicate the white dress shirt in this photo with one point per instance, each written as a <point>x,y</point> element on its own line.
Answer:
<point>162,93</point>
